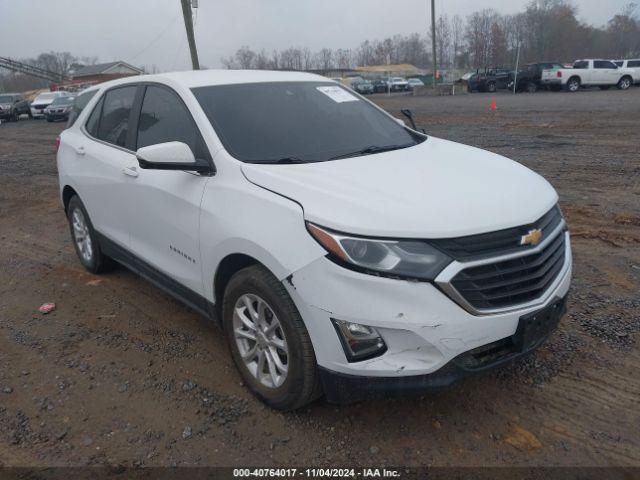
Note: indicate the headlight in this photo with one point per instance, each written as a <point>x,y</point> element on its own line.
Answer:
<point>402,258</point>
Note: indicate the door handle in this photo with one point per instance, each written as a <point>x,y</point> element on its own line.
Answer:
<point>80,150</point>
<point>130,171</point>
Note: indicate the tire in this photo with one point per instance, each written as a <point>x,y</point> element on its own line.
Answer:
<point>15,116</point>
<point>300,383</point>
<point>491,87</point>
<point>573,85</point>
<point>94,261</point>
<point>49,119</point>
<point>532,87</point>
<point>625,83</point>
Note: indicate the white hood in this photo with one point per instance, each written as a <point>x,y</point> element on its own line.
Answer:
<point>438,189</point>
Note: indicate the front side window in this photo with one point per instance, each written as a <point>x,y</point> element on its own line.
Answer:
<point>298,122</point>
<point>164,118</point>
<point>114,121</point>
<point>619,63</point>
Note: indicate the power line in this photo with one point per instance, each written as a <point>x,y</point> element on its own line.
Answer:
<point>164,30</point>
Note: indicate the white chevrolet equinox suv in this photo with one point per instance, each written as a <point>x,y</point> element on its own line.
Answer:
<point>341,251</point>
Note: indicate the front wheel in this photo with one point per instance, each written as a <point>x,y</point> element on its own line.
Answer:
<point>85,240</point>
<point>269,341</point>
<point>532,87</point>
<point>624,83</point>
<point>491,87</point>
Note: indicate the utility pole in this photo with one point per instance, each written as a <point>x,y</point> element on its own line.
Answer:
<point>433,42</point>
<point>188,23</point>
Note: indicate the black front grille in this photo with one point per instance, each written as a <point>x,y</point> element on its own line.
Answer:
<point>502,242</point>
<point>512,282</point>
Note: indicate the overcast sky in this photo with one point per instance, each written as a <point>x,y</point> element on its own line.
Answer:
<point>148,32</point>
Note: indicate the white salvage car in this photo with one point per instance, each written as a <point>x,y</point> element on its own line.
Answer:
<point>588,73</point>
<point>341,251</point>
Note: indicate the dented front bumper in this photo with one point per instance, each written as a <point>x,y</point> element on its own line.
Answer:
<point>422,327</point>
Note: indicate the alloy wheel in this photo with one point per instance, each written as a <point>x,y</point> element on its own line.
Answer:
<point>81,235</point>
<point>260,340</point>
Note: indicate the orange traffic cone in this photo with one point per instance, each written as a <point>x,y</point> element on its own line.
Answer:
<point>494,105</point>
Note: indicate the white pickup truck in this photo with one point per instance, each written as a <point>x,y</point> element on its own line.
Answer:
<point>589,73</point>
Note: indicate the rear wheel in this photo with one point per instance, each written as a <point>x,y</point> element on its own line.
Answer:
<point>491,87</point>
<point>269,341</point>
<point>573,85</point>
<point>85,240</point>
<point>624,83</point>
<point>532,87</point>
<point>15,116</point>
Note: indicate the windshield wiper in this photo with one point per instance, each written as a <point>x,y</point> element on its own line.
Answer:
<point>285,161</point>
<point>371,150</point>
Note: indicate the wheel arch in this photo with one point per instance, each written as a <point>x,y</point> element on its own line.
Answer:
<point>227,268</point>
<point>67,194</point>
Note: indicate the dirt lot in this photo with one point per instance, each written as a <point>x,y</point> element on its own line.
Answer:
<point>122,374</point>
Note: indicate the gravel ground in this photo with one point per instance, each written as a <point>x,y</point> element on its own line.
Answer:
<point>121,374</point>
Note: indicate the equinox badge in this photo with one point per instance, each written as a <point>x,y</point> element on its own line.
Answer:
<point>532,238</point>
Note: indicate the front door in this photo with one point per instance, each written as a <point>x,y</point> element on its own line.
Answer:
<point>164,212</point>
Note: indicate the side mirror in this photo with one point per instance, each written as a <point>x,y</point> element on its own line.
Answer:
<point>169,156</point>
<point>401,122</point>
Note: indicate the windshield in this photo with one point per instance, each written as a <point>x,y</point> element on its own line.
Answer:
<point>62,101</point>
<point>298,121</point>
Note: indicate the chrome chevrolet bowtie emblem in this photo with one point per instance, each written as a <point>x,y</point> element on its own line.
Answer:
<point>531,238</point>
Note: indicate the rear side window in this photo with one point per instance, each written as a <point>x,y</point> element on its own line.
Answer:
<point>602,64</point>
<point>79,103</point>
<point>165,118</point>
<point>633,64</point>
<point>581,65</point>
<point>94,119</point>
<point>619,63</point>
<point>113,126</point>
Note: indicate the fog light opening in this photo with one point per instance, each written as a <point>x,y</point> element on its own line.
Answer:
<point>359,342</point>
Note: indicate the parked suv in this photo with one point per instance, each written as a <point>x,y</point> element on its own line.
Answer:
<point>633,66</point>
<point>12,105</point>
<point>345,254</point>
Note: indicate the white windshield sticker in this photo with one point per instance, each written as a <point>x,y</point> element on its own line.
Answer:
<point>337,94</point>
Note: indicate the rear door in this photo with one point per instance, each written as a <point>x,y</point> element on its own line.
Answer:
<point>101,151</point>
<point>164,211</point>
